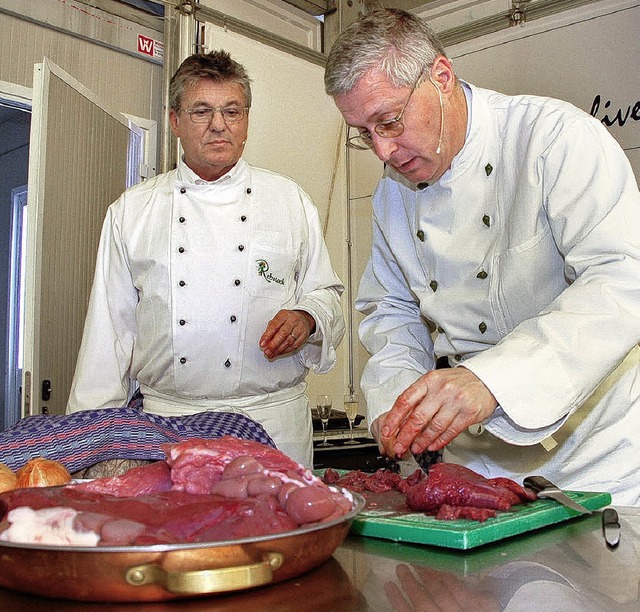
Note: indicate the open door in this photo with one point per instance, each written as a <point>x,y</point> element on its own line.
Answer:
<point>77,167</point>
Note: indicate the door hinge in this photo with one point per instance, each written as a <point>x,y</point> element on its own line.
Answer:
<point>26,390</point>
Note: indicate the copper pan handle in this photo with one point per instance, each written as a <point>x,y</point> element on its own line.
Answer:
<point>207,581</point>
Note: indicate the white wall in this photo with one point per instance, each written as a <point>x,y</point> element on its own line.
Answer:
<point>576,57</point>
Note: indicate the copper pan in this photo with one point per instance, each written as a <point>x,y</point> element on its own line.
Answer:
<point>166,572</point>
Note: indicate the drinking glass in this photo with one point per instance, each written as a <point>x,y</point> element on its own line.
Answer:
<point>323,404</point>
<point>351,410</point>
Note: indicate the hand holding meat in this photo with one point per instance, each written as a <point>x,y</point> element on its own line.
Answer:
<point>286,332</point>
<point>433,411</point>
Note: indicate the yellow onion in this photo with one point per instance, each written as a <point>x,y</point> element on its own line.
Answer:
<point>40,472</point>
<point>8,480</point>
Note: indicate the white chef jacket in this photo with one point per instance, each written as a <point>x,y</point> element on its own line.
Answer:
<point>521,263</point>
<point>188,275</point>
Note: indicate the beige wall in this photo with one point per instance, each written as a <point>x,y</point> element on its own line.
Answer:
<point>126,83</point>
<point>274,16</point>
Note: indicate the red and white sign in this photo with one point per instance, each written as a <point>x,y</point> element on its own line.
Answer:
<point>150,47</point>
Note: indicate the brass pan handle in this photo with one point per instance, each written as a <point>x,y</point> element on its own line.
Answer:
<point>207,581</point>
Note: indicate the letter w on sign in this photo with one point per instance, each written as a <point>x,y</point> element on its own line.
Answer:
<point>145,45</point>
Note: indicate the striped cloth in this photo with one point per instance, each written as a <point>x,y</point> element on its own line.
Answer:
<point>81,439</point>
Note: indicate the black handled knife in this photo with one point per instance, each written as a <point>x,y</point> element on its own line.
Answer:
<point>545,488</point>
<point>610,527</point>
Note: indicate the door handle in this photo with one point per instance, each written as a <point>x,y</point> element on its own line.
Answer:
<point>46,390</point>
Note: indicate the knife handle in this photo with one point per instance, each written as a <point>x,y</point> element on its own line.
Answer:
<point>611,527</point>
<point>538,483</point>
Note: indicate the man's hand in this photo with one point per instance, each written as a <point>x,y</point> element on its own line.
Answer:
<point>286,332</point>
<point>430,590</point>
<point>433,411</point>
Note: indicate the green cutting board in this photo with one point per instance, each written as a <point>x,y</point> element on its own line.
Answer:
<point>481,558</point>
<point>418,528</point>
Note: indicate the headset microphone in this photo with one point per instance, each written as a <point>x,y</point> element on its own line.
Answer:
<point>439,148</point>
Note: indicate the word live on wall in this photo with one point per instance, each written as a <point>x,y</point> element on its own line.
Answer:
<point>621,115</point>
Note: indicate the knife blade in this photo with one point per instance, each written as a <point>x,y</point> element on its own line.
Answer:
<point>610,527</point>
<point>545,488</point>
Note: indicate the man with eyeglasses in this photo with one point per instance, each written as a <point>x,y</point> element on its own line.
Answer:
<point>213,288</point>
<point>506,246</point>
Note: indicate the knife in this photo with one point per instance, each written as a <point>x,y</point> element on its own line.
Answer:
<point>427,458</point>
<point>545,488</point>
<point>610,527</point>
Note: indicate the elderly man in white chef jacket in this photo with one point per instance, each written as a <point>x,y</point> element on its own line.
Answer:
<point>213,286</point>
<point>505,240</point>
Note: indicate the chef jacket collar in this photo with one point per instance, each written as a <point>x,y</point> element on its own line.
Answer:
<point>468,94</point>
<point>479,126</point>
<point>187,175</point>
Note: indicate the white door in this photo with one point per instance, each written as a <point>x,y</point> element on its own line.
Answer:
<point>77,167</point>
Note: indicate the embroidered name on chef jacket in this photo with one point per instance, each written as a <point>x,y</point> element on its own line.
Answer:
<point>263,270</point>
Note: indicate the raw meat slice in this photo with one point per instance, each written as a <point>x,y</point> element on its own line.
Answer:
<point>456,485</point>
<point>377,482</point>
<point>451,513</point>
<point>237,496</point>
<point>163,518</point>
<point>196,465</point>
<point>142,480</point>
<point>448,491</point>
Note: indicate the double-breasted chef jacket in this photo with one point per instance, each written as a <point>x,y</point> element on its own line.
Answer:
<point>521,263</point>
<point>188,275</point>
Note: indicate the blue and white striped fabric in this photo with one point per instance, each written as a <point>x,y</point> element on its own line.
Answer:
<point>81,439</point>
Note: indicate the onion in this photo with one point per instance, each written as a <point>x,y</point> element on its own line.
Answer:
<point>40,472</point>
<point>8,480</point>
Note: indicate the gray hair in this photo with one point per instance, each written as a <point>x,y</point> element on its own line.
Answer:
<point>393,41</point>
<point>215,66</point>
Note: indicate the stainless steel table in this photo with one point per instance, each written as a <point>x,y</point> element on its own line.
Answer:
<point>565,567</point>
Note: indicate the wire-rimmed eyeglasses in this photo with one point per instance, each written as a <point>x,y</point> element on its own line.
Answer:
<point>385,129</point>
<point>204,114</point>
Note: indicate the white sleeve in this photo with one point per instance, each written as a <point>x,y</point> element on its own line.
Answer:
<point>545,369</point>
<point>393,332</point>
